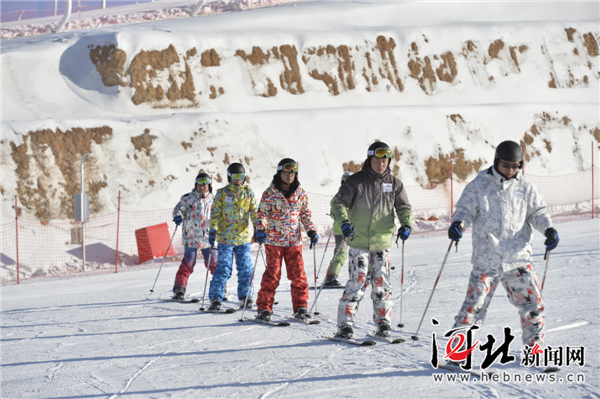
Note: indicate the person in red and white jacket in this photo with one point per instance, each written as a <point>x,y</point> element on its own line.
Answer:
<point>283,207</point>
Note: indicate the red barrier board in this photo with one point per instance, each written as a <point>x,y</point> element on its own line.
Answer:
<point>152,242</point>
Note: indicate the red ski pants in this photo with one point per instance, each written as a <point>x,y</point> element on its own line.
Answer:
<point>272,275</point>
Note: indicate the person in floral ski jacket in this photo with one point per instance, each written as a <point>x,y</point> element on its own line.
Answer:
<point>283,207</point>
<point>503,208</point>
<point>233,208</point>
<point>193,210</point>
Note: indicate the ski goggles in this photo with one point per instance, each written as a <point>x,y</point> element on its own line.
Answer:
<point>380,153</point>
<point>511,165</point>
<point>203,180</point>
<point>288,167</point>
<point>238,176</point>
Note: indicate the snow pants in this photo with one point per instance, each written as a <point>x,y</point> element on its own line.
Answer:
<point>522,289</point>
<point>340,259</point>
<point>377,273</point>
<point>189,261</point>
<point>222,274</point>
<point>294,265</point>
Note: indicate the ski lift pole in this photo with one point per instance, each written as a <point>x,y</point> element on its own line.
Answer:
<point>401,286</point>
<point>206,278</point>
<point>325,251</point>
<point>322,285</point>
<point>547,257</point>
<point>251,281</point>
<point>164,257</point>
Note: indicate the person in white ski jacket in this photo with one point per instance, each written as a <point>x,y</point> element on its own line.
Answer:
<point>193,210</point>
<point>502,207</point>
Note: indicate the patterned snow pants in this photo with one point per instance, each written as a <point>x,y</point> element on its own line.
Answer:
<point>243,263</point>
<point>522,289</point>
<point>340,259</point>
<point>189,261</point>
<point>361,274</point>
<point>294,265</point>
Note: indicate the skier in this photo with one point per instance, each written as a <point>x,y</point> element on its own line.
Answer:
<point>365,205</point>
<point>502,206</point>
<point>341,247</point>
<point>284,205</point>
<point>193,210</point>
<point>233,207</point>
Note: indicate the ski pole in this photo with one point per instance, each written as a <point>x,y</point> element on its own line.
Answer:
<point>415,337</point>
<point>206,278</point>
<point>322,285</point>
<point>164,257</point>
<point>251,281</point>
<point>401,286</point>
<point>315,269</point>
<point>324,252</point>
<point>547,257</point>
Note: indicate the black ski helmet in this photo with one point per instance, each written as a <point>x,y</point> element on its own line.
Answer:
<point>235,167</point>
<point>204,175</point>
<point>371,151</point>
<point>277,176</point>
<point>509,151</point>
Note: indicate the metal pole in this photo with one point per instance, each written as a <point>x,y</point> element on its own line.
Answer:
<point>17,238</point>
<point>82,211</point>
<point>55,7</point>
<point>65,17</point>
<point>592,179</point>
<point>546,269</point>
<point>163,261</point>
<point>401,286</point>
<point>103,4</point>
<point>197,8</point>
<point>451,185</point>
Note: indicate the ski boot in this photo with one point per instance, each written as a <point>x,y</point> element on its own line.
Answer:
<point>264,315</point>
<point>302,314</point>
<point>215,304</point>
<point>346,332</point>
<point>248,303</point>
<point>178,294</point>
<point>332,282</point>
<point>383,329</point>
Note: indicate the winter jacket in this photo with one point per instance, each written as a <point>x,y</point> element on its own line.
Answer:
<point>368,199</point>
<point>232,210</point>
<point>280,217</point>
<point>502,212</point>
<point>195,209</point>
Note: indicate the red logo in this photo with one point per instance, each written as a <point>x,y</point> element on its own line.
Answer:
<point>452,353</point>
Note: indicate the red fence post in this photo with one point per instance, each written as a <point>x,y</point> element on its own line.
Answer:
<point>592,179</point>
<point>118,220</point>
<point>17,238</point>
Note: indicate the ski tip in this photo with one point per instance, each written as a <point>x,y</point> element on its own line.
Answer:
<point>195,300</point>
<point>230,310</point>
<point>283,324</point>
<point>315,322</point>
<point>398,341</point>
<point>368,343</point>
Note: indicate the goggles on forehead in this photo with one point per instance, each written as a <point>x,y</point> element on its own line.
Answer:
<point>203,180</point>
<point>288,167</point>
<point>380,153</point>
<point>238,176</point>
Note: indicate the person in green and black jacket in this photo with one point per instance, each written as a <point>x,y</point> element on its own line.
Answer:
<point>365,206</point>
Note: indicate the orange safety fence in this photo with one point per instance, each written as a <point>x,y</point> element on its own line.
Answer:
<point>33,249</point>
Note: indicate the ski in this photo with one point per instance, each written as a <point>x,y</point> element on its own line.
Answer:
<point>387,339</point>
<point>269,323</point>
<point>549,369</point>
<point>307,321</point>
<point>193,300</point>
<point>331,287</point>
<point>222,310</point>
<point>350,341</point>
<point>442,364</point>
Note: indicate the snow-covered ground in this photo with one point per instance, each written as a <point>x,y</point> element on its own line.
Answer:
<point>108,337</point>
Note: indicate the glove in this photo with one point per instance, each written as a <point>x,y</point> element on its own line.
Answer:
<point>260,236</point>
<point>347,229</point>
<point>551,238</point>
<point>178,219</point>
<point>314,238</point>
<point>403,233</point>
<point>212,236</point>
<point>455,231</point>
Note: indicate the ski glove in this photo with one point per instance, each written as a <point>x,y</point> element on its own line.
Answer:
<point>314,238</point>
<point>455,231</point>
<point>212,236</point>
<point>260,236</point>
<point>403,233</point>
<point>551,238</point>
<point>347,229</point>
<point>178,219</point>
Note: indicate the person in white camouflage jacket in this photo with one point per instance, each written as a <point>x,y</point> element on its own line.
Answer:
<point>193,210</point>
<point>503,207</point>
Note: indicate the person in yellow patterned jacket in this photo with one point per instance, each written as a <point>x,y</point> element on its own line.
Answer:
<point>233,207</point>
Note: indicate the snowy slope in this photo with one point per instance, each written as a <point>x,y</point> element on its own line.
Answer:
<point>106,337</point>
<point>157,102</point>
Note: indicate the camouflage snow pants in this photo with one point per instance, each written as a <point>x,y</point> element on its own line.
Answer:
<point>367,267</point>
<point>522,289</point>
